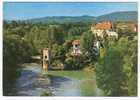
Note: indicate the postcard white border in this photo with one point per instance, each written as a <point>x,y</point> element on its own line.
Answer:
<point>64,98</point>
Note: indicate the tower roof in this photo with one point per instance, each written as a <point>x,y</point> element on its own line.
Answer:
<point>76,42</point>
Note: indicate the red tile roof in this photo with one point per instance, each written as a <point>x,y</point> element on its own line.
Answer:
<point>103,25</point>
<point>76,42</point>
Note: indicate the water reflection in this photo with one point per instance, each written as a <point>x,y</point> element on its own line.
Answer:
<point>33,83</point>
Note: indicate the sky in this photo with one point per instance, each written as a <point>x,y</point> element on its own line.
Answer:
<point>29,10</point>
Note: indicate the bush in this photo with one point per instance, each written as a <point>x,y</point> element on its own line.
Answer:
<point>46,94</point>
<point>74,62</point>
<point>57,64</point>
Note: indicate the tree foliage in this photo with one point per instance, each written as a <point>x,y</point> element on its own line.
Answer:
<point>117,68</point>
<point>87,41</point>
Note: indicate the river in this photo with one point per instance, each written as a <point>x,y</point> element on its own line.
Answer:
<point>33,81</point>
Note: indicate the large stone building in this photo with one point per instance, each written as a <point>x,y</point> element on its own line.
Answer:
<point>104,29</point>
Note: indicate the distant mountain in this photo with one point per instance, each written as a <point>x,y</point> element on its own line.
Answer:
<point>119,16</point>
<point>115,16</point>
<point>64,19</point>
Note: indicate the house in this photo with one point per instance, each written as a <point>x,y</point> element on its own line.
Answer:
<point>104,29</point>
<point>112,34</point>
<point>45,58</point>
<point>76,47</point>
<point>100,28</point>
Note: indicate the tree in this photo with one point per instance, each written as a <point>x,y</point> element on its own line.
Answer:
<point>87,41</point>
<point>130,66</point>
<point>74,62</point>
<point>117,68</point>
<point>15,52</point>
<point>56,34</point>
<point>109,73</point>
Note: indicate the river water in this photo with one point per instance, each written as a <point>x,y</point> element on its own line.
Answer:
<point>33,81</point>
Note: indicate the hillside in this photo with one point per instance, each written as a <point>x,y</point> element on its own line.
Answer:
<point>64,19</point>
<point>115,16</point>
<point>119,16</point>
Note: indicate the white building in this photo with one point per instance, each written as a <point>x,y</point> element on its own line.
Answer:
<point>104,29</point>
<point>76,47</point>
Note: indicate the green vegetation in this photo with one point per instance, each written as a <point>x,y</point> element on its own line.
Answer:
<point>115,67</point>
<point>46,94</point>
<point>15,52</point>
<point>74,74</point>
<point>119,16</point>
<point>21,40</point>
<point>87,40</point>
<point>115,16</point>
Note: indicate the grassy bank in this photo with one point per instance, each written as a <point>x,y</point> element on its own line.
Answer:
<point>73,74</point>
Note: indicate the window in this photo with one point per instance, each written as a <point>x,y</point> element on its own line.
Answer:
<point>45,57</point>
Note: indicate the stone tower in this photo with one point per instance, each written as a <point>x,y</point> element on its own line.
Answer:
<point>45,58</point>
